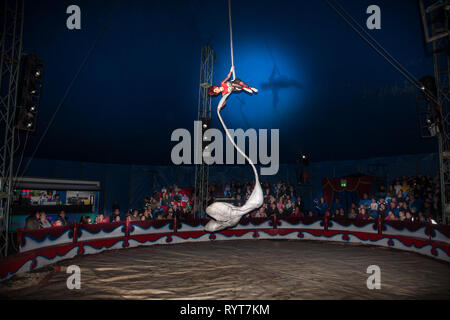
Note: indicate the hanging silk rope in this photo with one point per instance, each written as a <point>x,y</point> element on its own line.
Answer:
<point>231,38</point>
<point>224,214</point>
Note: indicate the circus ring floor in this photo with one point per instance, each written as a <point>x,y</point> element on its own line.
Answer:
<point>240,269</point>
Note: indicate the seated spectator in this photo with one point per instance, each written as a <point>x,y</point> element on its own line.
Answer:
<point>282,212</point>
<point>405,187</point>
<point>146,203</point>
<point>363,215</point>
<point>393,207</point>
<point>85,220</point>
<point>421,217</point>
<point>158,211</point>
<point>57,223</point>
<point>272,210</point>
<point>300,204</point>
<point>397,186</point>
<point>114,215</point>
<point>409,217</point>
<point>261,213</point>
<point>427,209</point>
<point>391,192</point>
<point>116,219</point>
<point>296,213</point>
<point>32,222</point>
<point>179,212</point>
<point>382,210</point>
<point>170,213</point>
<point>43,222</point>
<point>352,214</point>
<point>341,213</point>
<point>400,196</point>
<point>101,218</point>
<point>336,205</point>
<point>390,216</point>
<point>322,206</point>
<point>227,191</point>
<point>415,205</point>
<point>374,206</point>
<point>365,202</point>
<point>185,213</point>
<point>146,214</point>
<point>289,205</point>
<point>135,215</point>
<point>62,218</point>
<point>381,193</point>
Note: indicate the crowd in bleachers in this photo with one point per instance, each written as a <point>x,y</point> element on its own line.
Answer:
<point>410,198</point>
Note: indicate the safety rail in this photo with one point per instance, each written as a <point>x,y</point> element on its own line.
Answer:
<point>46,246</point>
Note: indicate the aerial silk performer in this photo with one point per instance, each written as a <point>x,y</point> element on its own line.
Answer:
<point>226,215</point>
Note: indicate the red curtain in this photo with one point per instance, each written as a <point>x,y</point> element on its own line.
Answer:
<point>359,184</point>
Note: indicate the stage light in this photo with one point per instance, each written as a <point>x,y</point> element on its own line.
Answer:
<point>305,160</point>
<point>428,83</point>
<point>29,93</point>
<point>206,124</point>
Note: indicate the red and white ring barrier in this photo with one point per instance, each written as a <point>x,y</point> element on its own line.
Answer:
<point>42,247</point>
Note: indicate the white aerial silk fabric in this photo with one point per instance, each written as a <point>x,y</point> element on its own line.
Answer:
<point>226,215</point>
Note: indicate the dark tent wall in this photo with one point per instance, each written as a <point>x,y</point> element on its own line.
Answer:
<point>129,184</point>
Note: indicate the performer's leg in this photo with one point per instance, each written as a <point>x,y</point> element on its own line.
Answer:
<point>244,86</point>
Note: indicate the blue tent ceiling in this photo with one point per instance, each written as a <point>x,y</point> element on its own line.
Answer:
<point>326,90</point>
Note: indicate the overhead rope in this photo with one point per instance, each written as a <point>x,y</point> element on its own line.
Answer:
<point>384,53</point>
<point>231,38</point>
